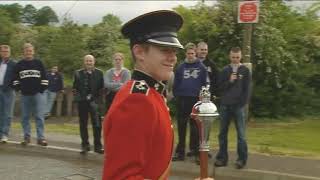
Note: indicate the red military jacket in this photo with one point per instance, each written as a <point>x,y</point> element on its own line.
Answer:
<point>138,134</point>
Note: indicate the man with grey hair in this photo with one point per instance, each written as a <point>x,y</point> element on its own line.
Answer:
<point>87,88</point>
<point>30,78</point>
<point>7,94</point>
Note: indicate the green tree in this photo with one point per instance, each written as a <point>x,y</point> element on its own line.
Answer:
<point>29,14</point>
<point>67,48</point>
<point>104,39</point>
<point>45,16</point>
<point>6,27</point>
<point>283,46</point>
<point>14,11</point>
<point>23,34</point>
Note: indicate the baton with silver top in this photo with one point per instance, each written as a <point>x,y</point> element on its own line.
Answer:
<point>204,113</point>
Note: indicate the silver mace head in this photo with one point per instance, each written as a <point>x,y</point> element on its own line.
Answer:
<point>204,112</point>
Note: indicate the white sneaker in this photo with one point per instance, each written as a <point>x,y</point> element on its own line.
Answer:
<point>4,139</point>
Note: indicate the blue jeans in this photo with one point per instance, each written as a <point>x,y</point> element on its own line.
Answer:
<point>7,99</point>
<point>226,114</point>
<point>33,104</point>
<point>50,97</point>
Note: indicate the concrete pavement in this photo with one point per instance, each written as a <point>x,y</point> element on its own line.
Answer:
<point>61,160</point>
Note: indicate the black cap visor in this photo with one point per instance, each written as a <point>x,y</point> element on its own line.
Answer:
<point>166,41</point>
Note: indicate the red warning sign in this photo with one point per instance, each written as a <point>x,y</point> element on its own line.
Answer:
<point>248,12</point>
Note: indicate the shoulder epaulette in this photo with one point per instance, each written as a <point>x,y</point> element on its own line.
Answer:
<point>139,87</point>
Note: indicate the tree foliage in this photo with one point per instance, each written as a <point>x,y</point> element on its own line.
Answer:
<point>29,14</point>
<point>6,27</point>
<point>284,52</point>
<point>104,40</point>
<point>285,46</point>
<point>45,16</point>
<point>14,11</point>
<point>67,48</point>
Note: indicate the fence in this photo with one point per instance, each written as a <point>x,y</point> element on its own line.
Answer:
<point>63,106</point>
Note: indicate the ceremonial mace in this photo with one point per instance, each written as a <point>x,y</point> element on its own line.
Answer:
<point>204,112</point>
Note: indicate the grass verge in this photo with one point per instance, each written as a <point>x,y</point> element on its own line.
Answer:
<point>288,136</point>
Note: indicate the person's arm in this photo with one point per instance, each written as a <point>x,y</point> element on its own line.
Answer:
<point>100,84</point>
<point>15,81</point>
<point>214,78</point>
<point>108,82</point>
<point>44,80</point>
<point>224,82</point>
<point>75,84</point>
<point>204,75</point>
<point>176,81</point>
<point>126,76</point>
<point>128,138</point>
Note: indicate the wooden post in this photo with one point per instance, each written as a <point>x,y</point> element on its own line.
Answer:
<point>69,98</point>
<point>246,46</point>
<point>248,13</point>
<point>246,56</point>
<point>59,100</point>
<point>204,164</point>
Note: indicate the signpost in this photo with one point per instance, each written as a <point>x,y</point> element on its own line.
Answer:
<point>248,13</point>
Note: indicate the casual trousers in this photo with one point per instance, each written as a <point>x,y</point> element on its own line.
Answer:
<point>109,99</point>
<point>85,108</point>
<point>7,100</point>
<point>33,104</point>
<point>50,97</point>
<point>226,114</point>
<point>184,108</point>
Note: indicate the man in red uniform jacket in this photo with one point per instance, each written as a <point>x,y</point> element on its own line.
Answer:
<point>138,134</point>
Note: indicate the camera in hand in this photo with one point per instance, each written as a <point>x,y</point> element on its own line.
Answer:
<point>235,70</point>
<point>89,97</point>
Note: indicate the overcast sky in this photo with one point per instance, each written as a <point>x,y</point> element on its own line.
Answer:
<point>91,12</point>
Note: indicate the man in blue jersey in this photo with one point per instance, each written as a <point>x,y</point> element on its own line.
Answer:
<point>31,80</point>
<point>190,76</point>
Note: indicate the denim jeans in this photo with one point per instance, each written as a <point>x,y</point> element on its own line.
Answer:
<point>33,104</point>
<point>226,114</point>
<point>7,100</point>
<point>50,97</point>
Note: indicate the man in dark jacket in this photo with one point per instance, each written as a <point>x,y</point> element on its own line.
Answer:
<point>234,83</point>
<point>213,72</point>
<point>7,94</point>
<point>87,87</point>
<point>55,86</point>
<point>30,78</point>
<point>212,69</point>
